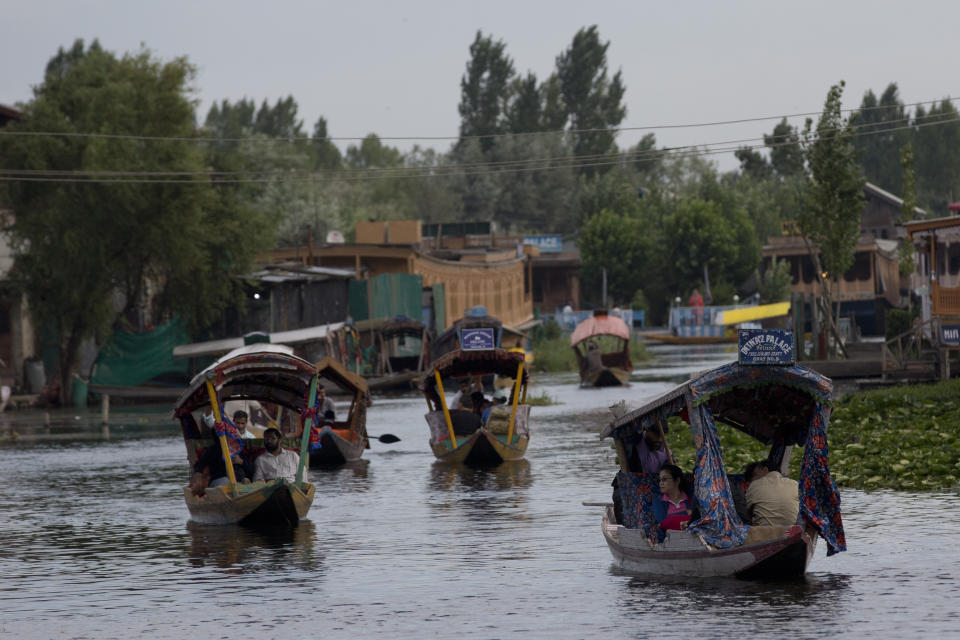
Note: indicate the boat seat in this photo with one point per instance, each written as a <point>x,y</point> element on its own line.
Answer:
<point>681,541</point>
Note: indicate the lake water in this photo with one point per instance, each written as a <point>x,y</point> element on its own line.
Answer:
<point>96,542</point>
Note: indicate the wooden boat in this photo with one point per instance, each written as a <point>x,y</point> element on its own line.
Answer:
<point>267,373</point>
<point>779,405</point>
<point>398,366</point>
<point>333,443</point>
<point>459,436</point>
<point>602,345</point>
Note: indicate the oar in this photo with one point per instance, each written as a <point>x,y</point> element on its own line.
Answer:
<point>387,438</point>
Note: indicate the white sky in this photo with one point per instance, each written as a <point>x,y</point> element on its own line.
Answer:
<point>394,68</point>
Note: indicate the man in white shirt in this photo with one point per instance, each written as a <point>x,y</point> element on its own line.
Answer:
<point>461,399</point>
<point>325,403</point>
<point>276,462</point>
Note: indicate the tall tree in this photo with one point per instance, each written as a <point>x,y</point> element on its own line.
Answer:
<point>907,209</point>
<point>592,101</point>
<point>937,151</point>
<point>786,156</point>
<point>484,90</point>
<point>326,155</point>
<point>752,163</point>
<point>882,130</point>
<point>616,243</point>
<point>373,154</point>
<point>524,106</point>
<point>835,200</point>
<point>78,243</point>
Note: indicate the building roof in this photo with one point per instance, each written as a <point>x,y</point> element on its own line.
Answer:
<point>917,226</point>
<point>295,272</point>
<point>873,189</point>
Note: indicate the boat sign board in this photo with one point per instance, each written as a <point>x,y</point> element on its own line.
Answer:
<point>765,346</point>
<point>476,339</point>
<point>950,335</point>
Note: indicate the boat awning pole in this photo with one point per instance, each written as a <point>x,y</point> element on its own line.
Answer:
<point>224,448</point>
<point>307,427</point>
<point>516,397</point>
<point>446,412</point>
<point>523,400</point>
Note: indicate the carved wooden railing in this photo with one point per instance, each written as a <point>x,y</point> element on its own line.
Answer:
<point>945,300</point>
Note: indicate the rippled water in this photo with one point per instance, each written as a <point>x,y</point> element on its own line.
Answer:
<point>96,543</point>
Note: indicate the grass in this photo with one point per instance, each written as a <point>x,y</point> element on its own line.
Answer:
<point>542,399</point>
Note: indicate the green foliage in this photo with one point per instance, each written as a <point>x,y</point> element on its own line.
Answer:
<point>908,209</point>
<point>542,399</point>
<point>775,282</point>
<point>786,155</point>
<point>373,154</point>
<point>483,90</point>
<point>554,354</point>
<point>616,243</point>
<point>835,198</point>
<point>877,145</point>
<point>753,164</point>
<point>591,100</point>
<point>79,243</point>
<point>937,149</point>
<point>904,438</point>
<point>899,321</point>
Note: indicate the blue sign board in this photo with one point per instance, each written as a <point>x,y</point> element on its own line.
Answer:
<point>477,339</point>
<point>547,243</point>
<point>765,346</point>
<point>950,334</point>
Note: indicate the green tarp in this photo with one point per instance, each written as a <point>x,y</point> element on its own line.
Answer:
<point>131,359</point>
<point>386,296</point>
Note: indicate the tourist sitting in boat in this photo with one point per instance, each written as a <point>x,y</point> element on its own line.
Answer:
<point>324,404</point>
<point>672,510</point>
<point>276,462</point>
<point>461,399</point>
<point>498,399</point>
<point>651,450</point>
<point>210,471</point>
<point>771,499</point>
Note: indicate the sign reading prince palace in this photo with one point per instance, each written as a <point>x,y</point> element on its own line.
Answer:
<point>765,346</point>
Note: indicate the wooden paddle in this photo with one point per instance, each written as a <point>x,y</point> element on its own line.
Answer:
<point>663,437</point>
<point>387,438</point>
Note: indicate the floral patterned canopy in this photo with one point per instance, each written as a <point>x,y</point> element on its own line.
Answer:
<point>777,405</point>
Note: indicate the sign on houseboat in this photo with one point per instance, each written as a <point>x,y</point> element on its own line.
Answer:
<point>477,339</point>
<point>950,335</point>
<point>765,346</point>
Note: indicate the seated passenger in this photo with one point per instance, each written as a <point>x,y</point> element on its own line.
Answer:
<point>772,500</point>
<point>210,470</point>
<point>276,462</point>
<point>673,509</point>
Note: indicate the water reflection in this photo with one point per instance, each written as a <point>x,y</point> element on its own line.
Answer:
<point>242,550</point>
<point>510,474</point>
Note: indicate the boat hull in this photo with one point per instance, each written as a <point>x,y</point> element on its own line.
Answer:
<point>336,450</point>
<point>605,377</point>
<point>481,448</point>
<point>669,338</point>
<point>784,556</point>
<point>273,504</point>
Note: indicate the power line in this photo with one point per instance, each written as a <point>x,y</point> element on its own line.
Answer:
<point>534,164</point>
<point>314,140</point>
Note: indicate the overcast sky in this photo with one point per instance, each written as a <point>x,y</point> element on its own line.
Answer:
<point>394,68</point>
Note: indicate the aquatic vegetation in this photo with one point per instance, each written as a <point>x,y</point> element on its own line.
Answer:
<point>542,399</point>
<point>905,438</point>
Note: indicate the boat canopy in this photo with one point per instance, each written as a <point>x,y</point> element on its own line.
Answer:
<point>402,326</point>
<point>460,363</point>
<point>778,405</point>
<point>599,325</point>
<point>347,380</point>
<point>265,372</point>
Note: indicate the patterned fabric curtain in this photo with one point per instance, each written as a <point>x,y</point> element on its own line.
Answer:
<point>638,491</point>
<point>819,498</point>
<point>227,428</point>
<point>719,523</point>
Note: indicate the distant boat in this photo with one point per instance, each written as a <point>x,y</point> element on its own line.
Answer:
<point>474,321</point>
<point>458,436</point>
<point>602,345</point>
<point>334,442</point>
<point>400,367</point>
<point>713,324</point>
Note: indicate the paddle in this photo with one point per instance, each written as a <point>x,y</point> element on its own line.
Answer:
<point>387,438</point>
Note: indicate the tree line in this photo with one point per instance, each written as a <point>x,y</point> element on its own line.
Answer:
<point>168,209</point>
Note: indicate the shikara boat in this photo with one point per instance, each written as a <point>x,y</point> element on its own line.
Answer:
<point>268,373</point>
<point>400,366</point>
<point>779,405</point>
<point>460,436</point>
<point>335,442</point>
<point>602,345</point>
